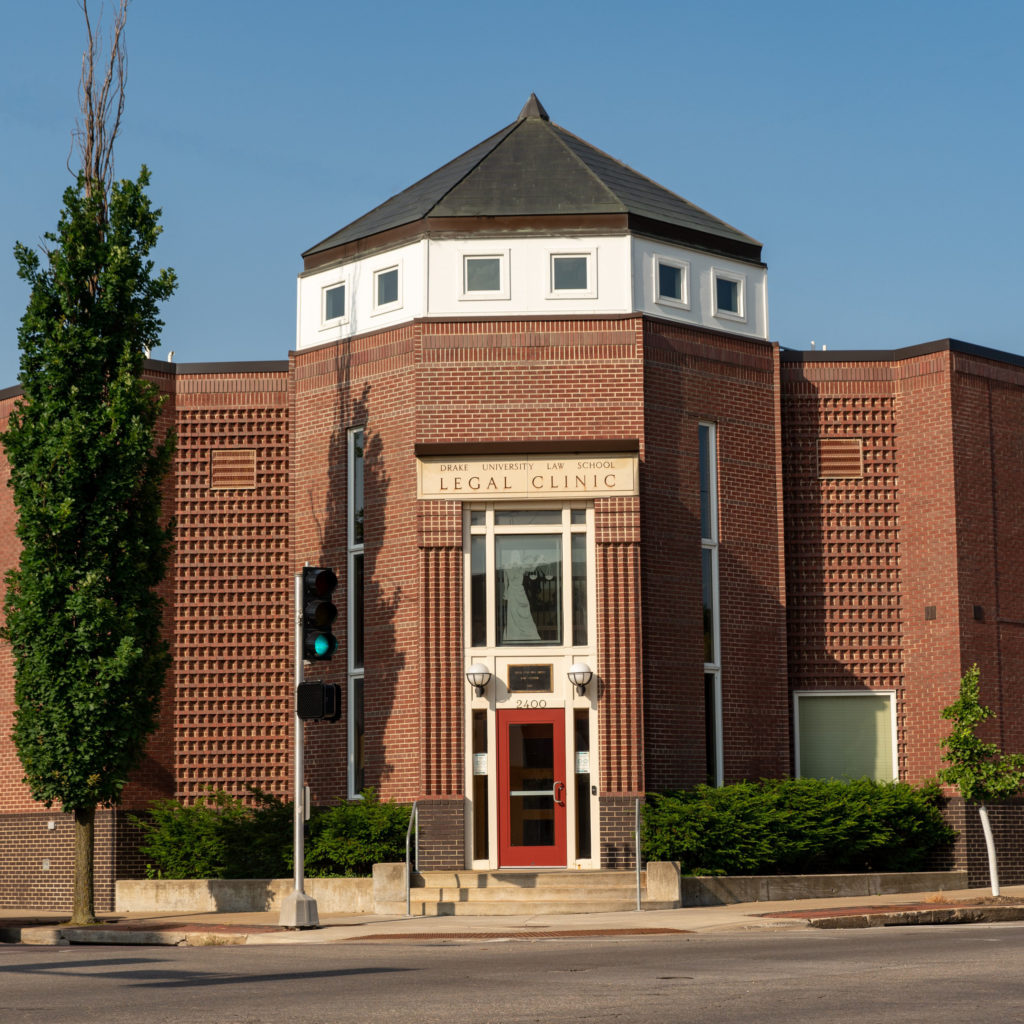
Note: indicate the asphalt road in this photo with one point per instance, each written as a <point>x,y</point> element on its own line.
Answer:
<point>927,974</point>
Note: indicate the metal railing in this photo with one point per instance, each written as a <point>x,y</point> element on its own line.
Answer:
<point>414,819</point>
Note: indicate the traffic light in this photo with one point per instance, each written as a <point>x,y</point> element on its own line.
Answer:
<point>318,613</point>
<point>318,701</point>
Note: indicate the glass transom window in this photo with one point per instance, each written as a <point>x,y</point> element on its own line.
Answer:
<point>528,577</point>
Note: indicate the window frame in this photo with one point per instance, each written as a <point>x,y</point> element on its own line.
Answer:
<point>710,543</point>
<point>892,732</point>
<point>387,307</point>
<point>590,291</point>
<point>328,322</point>
<point>683,266</point>
<point>565,529</point>
<point>504,258</point>
<point>740,313</point>
<point>355,674</point>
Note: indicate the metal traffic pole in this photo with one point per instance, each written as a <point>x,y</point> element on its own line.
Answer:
<point>299,910</point>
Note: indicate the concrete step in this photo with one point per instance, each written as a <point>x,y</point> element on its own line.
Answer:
<point>528,880</point>
<point>507,894</point>
<point>507,908</point>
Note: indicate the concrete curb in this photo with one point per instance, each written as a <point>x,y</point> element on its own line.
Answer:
<point>940,915</point>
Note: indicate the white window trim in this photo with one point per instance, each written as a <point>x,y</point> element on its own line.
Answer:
<point>891,694</point>
<point>504,258</point>
<point>666,300</point>
<point>590,292</point>
<point>740,316</point>
<point>353,549</point>
<point>337,321</point>
<point>387,307</point>
<point>711,544</point>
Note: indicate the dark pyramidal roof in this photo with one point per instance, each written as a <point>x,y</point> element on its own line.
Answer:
<point>535,168</point>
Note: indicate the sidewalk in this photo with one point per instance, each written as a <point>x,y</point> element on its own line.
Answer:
<point>960,906</point>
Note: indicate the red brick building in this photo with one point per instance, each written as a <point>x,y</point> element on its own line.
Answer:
<point>534,422</point>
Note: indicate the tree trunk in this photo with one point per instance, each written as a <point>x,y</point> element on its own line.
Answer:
<point>83,904</point>
<point>990,846</point>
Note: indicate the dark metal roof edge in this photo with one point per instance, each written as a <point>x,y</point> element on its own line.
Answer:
<point>255,366</point>
<point>610,444</point>
<point>181,369</point>
<point>789,355</point>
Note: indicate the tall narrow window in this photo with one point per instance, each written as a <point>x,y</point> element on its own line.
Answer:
<point>356,508</point>
<point>708,458</point>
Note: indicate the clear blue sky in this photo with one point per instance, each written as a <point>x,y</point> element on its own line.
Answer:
<point>874,148</point>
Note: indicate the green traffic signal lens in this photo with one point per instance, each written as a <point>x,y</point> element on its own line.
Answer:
<point>322,645</point>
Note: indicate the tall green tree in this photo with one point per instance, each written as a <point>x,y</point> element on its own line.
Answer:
<point>87,460</point>
<point>980,771</point>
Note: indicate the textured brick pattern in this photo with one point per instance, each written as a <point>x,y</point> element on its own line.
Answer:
<point>842,539</point>
<point>618,832</point>
<point>232,591</point>
<point>38,861</point>
<point>442,834</point>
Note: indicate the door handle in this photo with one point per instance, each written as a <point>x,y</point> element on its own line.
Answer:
<point>560,802</point>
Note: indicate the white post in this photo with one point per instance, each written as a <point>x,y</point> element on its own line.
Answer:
<point>990,847</point>
<point>299,910</point>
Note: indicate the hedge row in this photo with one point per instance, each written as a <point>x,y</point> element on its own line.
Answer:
<point>796,826</point>
<point>220,836</point>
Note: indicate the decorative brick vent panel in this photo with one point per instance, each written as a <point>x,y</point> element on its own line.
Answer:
<point>232,469</point>
<point>840,458</point>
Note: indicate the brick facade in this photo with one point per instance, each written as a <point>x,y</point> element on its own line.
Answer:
<point>824,581</point>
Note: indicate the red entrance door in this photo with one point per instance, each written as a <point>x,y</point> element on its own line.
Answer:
<point>531,788</point>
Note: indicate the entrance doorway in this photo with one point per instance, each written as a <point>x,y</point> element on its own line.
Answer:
<point>531,788</point>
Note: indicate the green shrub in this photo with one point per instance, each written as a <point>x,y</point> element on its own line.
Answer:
<point>220,836</point>
<point>796,826</point>
<point>350,838</point>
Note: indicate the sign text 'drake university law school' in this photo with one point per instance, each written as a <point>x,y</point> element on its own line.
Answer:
<point>526,477</point>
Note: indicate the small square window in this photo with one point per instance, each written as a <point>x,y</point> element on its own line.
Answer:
<point>483,273</point>
<point>386,288</point>
<point>334,303</point>
<point>727,295</point>
<point>569,273</point>
<point>671,282</point>
<point>728,291</point>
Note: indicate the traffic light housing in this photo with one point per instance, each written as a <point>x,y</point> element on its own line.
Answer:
<point>318,702</point>
<point>318,613</point>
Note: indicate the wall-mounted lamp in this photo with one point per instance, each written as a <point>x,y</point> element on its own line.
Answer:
<point>580,675</point>
<point>478,676</point>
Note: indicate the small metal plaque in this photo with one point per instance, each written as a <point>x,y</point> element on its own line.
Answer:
<point>480,764</point>
<point>529,678</point>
